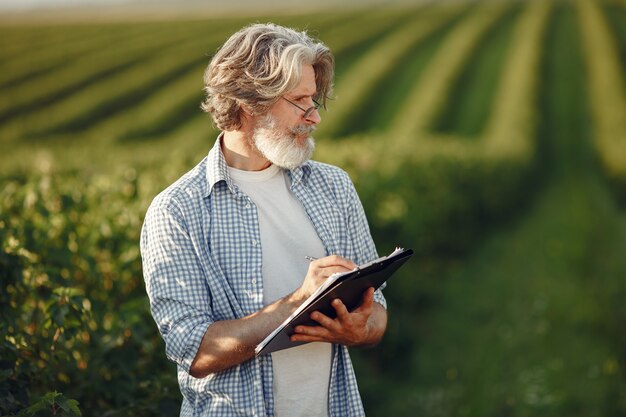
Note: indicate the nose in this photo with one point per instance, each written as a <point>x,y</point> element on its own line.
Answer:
<point>314,117</point>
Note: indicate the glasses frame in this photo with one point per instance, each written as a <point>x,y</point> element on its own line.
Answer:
<point>308,111</point>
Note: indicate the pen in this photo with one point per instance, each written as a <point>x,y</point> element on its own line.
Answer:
<point>310,258</point>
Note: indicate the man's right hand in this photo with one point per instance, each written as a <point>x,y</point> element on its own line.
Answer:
<point>227,343</point>
<point>319,270</point>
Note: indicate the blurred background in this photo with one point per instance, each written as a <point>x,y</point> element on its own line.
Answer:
<point>490,136</point>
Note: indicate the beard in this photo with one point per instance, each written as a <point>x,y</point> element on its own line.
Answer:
<point>283,147</point>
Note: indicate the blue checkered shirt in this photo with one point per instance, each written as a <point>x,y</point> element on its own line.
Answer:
<point>201,252</point>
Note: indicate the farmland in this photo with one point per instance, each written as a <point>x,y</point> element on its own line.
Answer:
<point>488,136</point>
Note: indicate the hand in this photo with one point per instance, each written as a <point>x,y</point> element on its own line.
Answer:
<point>350,329</point>
<point>319,271</point>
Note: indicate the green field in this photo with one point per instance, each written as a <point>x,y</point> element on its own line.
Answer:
<point>488,136</point>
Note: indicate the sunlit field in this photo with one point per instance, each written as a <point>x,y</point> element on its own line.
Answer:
<point>490,137</point>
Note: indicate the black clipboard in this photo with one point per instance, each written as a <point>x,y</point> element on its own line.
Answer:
<point>348,287</point>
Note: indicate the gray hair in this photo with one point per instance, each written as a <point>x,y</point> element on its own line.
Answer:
<point>256,66</point>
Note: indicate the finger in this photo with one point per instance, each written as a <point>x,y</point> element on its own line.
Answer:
<point>335,260</point>
<point>307,338</point>
<point>325,272</point>
<point>328,271</point>
<point>340,308</point>
<point>324,321</point>
<point>310,331</point>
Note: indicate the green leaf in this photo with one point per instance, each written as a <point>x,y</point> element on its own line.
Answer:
<point>68,291</point>
<point>69,406</point>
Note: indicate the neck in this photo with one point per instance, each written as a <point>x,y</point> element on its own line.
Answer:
<point>240,153</point>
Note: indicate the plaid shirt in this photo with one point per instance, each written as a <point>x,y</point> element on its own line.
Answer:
<point>201,252</point>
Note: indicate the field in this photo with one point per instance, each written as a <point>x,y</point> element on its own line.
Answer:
<point>488,136</point>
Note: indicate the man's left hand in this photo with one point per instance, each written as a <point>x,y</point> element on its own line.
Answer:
<point>363,326</point>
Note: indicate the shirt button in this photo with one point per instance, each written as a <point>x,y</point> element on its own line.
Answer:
<point>248,205</point>
<point>254,242</point>
<point>254,280</point>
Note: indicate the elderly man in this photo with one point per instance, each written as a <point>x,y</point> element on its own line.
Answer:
<point>225,247</point>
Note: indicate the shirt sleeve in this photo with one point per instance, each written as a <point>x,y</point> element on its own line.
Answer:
<point>359,232</point>
<point>175,283</point>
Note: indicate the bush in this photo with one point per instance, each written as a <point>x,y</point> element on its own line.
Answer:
<point>74,313</point>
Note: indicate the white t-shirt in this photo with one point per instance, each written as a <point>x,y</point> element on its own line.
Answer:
<point>302,373</point>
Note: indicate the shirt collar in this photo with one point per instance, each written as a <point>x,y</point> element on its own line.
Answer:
<point>299,174</point>
<point>217,169</point>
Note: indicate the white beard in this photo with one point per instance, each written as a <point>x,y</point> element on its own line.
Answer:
<point>281,148</point>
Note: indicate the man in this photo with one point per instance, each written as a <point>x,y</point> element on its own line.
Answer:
<point>224,248</point>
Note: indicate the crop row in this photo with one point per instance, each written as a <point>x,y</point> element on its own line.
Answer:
<point>383,77</point>
<point>378,62</point>
<point>428,95</point>
<point>467,106</point>
<point>607,92</point>
<point>348,44</point>
<point>171,106</point>
<point>68,244</point>
<point>75,47</point>
<point>175,104</point>
<point>434,190</point>
<point>18,66</point>
<point>152,81</point>
<point>140,75</point>
<point>26,43</point>
<point>92,89</point>
<point>381,102</point>
<point>116,94</point>
<point>63,80</point>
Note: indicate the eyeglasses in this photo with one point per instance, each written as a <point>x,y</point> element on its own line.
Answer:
<point>307,112</point>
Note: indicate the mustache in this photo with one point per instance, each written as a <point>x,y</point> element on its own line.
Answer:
<point>303,129</point>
